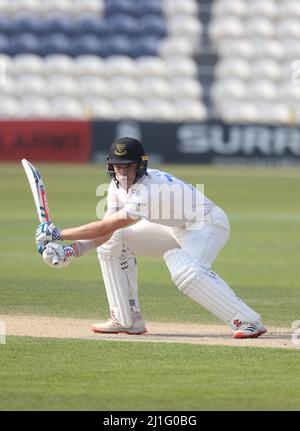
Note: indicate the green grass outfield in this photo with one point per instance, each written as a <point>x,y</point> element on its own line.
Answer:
<point>260,262</point>
<point>48,374</point>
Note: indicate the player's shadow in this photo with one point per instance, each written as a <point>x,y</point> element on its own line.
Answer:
<point>176,335</point>
<point>269,335</point>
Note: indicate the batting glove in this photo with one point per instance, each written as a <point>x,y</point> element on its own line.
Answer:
<point>46,232</point>
<point>57,255</point>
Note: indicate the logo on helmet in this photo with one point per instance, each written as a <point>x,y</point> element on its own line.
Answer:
<point>120,150</point>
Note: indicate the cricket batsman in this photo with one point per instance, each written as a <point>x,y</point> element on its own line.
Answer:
<point>152,213</point>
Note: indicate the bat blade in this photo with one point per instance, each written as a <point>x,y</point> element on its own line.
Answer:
<point>38,190</point>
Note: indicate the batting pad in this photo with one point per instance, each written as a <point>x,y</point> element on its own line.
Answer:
<point>207,289</point>
<point>120,280</point>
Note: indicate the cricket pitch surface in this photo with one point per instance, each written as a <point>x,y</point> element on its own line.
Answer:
<point>158,332</point>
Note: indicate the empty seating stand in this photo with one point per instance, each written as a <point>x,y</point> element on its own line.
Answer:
<point>257,42</point>
<point>107,59</point>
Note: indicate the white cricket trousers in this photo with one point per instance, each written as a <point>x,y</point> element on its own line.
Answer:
<point>202,240</point>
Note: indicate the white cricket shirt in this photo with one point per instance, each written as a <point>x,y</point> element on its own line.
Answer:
<point>160,198</point>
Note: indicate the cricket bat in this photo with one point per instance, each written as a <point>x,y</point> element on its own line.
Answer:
<point>38,191</point>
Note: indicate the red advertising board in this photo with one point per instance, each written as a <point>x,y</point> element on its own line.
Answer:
<point>46,141</point>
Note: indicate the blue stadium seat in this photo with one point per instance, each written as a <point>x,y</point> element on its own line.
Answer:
<point>123,24</point>
<point>27,23</point>
<point>6,25</point>
<point>90,24</point>
<point>88,44</point>
<point>120,6</point>
<point>117,45</point>
<point>149,7</point>
<point>59,24</point>
<point>153,25</point>
<point>56,44</point>
<point>4,44</point>
<point>147,45</point>
<point>24,43</point>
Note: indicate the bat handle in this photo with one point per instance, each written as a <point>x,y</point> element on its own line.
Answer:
<point>54,260</point>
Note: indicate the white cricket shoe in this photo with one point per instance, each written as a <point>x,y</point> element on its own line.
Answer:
<point>113,326</point>
<point>250,330</point>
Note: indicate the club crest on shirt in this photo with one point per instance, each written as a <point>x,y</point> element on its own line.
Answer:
<point>138,206</point>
